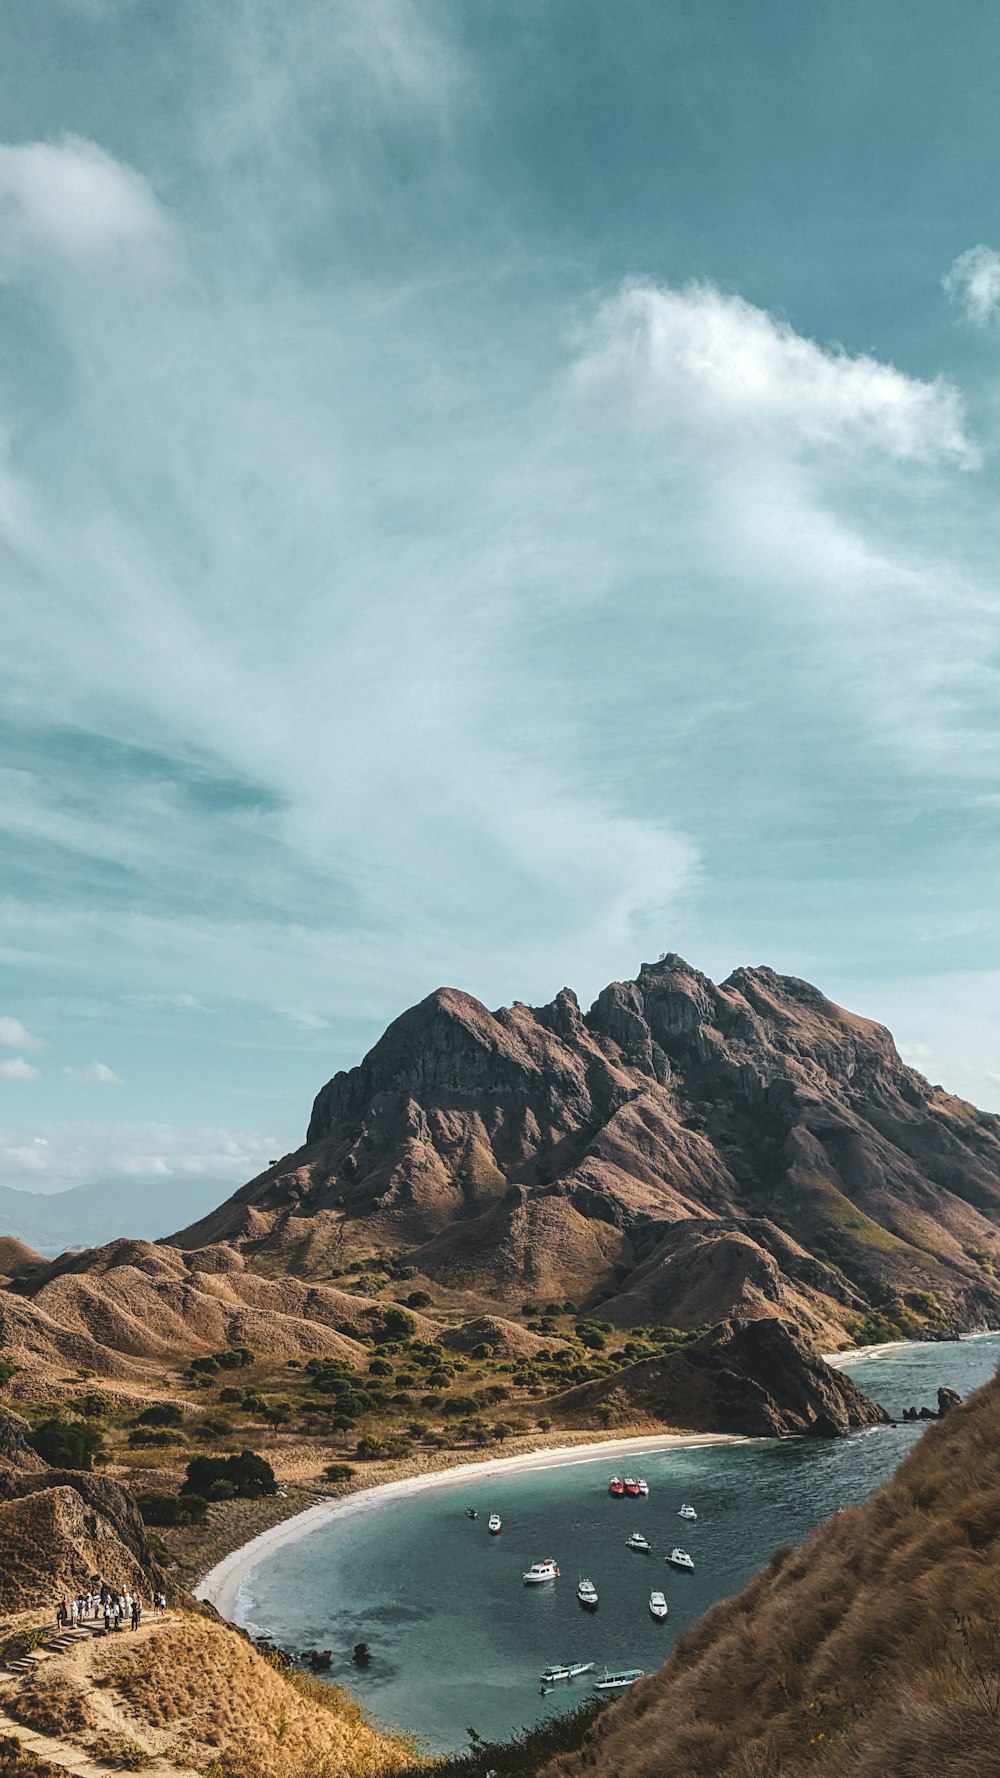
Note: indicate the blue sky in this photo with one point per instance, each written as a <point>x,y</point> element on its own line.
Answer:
<point>488,493</point>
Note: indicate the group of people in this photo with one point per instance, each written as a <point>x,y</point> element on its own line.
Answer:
<point>102,1601</point>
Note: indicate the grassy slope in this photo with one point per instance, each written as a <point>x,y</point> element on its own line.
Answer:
<point>874,1650</point>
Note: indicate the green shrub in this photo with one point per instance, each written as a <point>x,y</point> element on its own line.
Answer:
<point>162,1413</point>
<point>248,1476</point>
<point>160,1508</point>
<point>68,1444</point>
<point>419,1299</point>
<point>339,1472</point>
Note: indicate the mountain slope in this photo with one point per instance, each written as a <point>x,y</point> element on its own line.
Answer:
<point>872,1650</point>
<point>683,1151</point>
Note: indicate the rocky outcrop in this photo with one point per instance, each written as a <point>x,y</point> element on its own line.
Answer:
<point>756,1377</point>
<point>681,1151</point>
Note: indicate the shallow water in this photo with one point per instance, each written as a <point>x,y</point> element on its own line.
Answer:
<point>458,1640</point>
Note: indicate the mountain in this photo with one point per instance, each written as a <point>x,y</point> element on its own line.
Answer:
<point>872,1650</point>
<point>681,1152</point>
<point>89,1215</point>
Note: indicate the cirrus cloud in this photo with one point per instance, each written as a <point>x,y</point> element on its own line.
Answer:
<point>15,1036</point>
<point>18,1069</point>
<point>94,1074</point>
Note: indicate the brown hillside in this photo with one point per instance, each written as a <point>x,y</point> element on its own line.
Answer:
<point>122,1310</point>
<point>17,1259</point>
<point>874,1650</point>
<point>681,1152</point>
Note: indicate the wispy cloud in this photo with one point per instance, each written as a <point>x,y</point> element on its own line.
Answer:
<point>972,284</point>
<point>72,1154</point>
<point>18,1069</point>
<point>93,1074</point>
<point>15,1036</point>
<point>71,198</point>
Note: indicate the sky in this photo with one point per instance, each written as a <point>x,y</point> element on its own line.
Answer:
<point>489,493</point>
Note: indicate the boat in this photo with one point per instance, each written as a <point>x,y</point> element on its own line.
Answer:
<point>687,1512</point>
<point>616,1486</point>
<point>643,1486</point>
<point>638,1542</point>
<point>680,1559</point>
<point>571,1670</point>
<point>631,1486</point>
<point>539,1571</point>
<point>616,1682</point>
<point>586,1592</point>
<point>495,1523</point>
<point>658,1606</point>
<point>471,1513</point>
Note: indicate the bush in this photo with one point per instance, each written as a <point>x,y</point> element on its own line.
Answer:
<point>419,1299</point>
<point>482,1350</point>
<point>207,1367</point>
<point>396,1325</point>
<point>370,1447</point>
<point>234,1359</point>
<point>162,1413</point>
<point>161,1508</point>
<point>380,1367</point>
<point>247,1476</point>
<point>8,1369</point>
<point>338,1472</point>
<point>68,1444</point>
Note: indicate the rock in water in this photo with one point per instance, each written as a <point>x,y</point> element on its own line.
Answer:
<point>947,1400</point>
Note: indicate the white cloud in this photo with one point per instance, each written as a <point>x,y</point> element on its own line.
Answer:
<point>72,1154</point>
<point>15,1036</point>
<point>18,1069</point>
<point>972,283</point>
<point>94,1074</point>
<point>696,356</point>
<point>72,197</point>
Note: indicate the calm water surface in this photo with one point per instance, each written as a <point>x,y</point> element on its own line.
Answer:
<point>457,1639</point>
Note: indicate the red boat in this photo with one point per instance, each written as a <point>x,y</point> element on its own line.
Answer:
<point>631,1486</point>
<point>616,1486</point>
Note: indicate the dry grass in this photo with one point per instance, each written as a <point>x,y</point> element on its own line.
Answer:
<point>873,1651</point>
<point>53,1705</point>
<point>234,1713</point>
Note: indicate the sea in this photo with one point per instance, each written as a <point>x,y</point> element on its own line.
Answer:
<point>458,1642</point>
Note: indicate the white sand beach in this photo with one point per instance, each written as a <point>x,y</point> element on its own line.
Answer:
<point>221,1586</point>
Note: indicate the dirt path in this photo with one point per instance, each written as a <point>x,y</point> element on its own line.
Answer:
<point>71,1657</point>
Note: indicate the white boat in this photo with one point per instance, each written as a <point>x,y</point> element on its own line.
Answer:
<point>539,1571</point>
<point>571,1670</point>
<point>687,1512</point>
<point>586,1592</point>
<point>643,1486</point>
<point>658,1605</point>
<point>638,1542</point>
<point>495,1523</point>
<point>471,1513</point>
<point>680,1559</point>
<point>616,1682</point>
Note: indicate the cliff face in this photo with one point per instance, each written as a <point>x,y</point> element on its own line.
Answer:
<point>682,1151</point>
<point>872,1650</point>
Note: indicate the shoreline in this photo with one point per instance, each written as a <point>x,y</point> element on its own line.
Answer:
<point>222,1585</point>
<point>859,1353</point>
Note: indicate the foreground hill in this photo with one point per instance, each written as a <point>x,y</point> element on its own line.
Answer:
<point>681,1152</point>
<point>872,1650</point>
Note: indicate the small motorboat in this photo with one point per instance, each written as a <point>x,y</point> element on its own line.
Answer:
<point>495,1524</point>
<point>586,1592</point>
<point>631,1486</point>
<point>471,1513</point>
<point>643,1486</point>
<point>637,1542</point>
<point>687,1512</point>
<point>616,1486</point>
<point>658,1606</point>
<point>570,1670</point>
<point>616,1682</point>
<point>539,1571</point>
<point>680,1559</point>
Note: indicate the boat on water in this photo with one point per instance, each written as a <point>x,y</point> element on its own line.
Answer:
<point>680,1559</point>
<point>616,1682</point>
<point>539,1571</point>
<point>631,1486</point>
<point>471,1513</point>
<point>643,1486</point>
<point>616,1486</point>
<point>658,1606</point>
<point>570,1670</point>
<point>637,1542</point>
<point>495,1524</point>
<point>586,1592</point>
<point>687,1512</point>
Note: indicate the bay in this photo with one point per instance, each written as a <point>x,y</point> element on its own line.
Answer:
<point>457,1640</point>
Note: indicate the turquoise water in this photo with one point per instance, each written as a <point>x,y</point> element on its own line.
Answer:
<point>456,1638</point>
